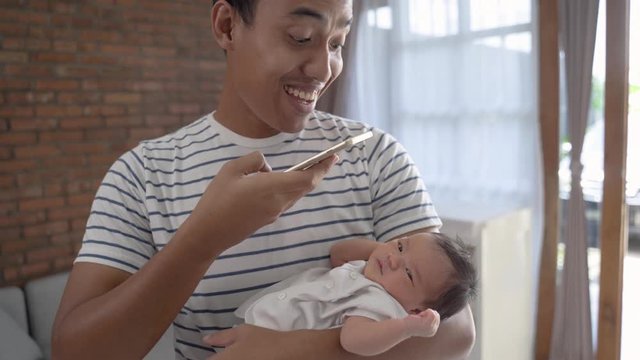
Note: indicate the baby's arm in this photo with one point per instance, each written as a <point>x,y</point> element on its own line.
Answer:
<point>350,250</point>
<point>367,337</point>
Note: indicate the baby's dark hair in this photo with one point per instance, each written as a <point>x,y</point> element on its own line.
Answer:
<point>246,9</point>
<point>462,284</point>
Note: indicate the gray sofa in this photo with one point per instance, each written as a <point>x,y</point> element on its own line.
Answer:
<point>26,319</point>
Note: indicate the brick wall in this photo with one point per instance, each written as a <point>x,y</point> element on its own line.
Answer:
<point>81,82</point>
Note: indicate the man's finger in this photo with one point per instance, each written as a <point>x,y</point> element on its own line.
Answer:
<point>295,180</point>
<point>222,338</point>
<point>249,164</point>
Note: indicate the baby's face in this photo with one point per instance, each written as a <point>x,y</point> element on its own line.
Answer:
<point>412,269</point>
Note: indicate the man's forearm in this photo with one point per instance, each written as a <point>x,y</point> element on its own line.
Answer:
<point>453,341</point>
<point>126,321</point>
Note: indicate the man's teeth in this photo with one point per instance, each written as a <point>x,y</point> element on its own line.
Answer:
<point>302,95</point>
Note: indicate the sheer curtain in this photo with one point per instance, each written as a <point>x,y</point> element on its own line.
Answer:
<point>456,82</point>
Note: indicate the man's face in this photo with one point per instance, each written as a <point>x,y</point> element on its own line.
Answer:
<point>283,61</point>
<point>412,269</point>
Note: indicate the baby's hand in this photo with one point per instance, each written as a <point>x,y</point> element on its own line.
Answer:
<point>424,324</point>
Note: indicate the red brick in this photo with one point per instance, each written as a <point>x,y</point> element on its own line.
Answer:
<point>146,133</point>
<point>33,124</point>
<point>13,56</point>
<point>28,70</point>
<point>58,111</point>
<point>60,135</point>
<point>6,153</point>
<point>84,148</point>
<point>46,229</point>
<point>35,270</point>
<point>29,97</point>
<point>7,181</point>
<point>37,151</point>
<point>79,98</point>
<point>83,200</point>
<point>78,224</point>
<point>122,98</point>
<point>22,218</point>
<point>106,110</point>
<point>70,212</point>
<point>9,274</point>
<point>11,260</point>
<point>57,85</point>
<point>39,204</point>
<point>81,123</point>
<point>16,111</point>
<point>184,108</point>
<point>65,46</point>
<point>47,253</point>
<point>68,238</point>
<point>18,165</point>
<point>17,138</point>
<point>19,245</point>
<point>54,57</point>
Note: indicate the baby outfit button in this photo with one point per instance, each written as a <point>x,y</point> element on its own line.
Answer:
<point>282,296</point>
<point>329,285</point>
<point>353,275</point>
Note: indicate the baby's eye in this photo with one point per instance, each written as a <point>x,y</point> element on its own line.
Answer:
<point>409,275</point>
<point>400,247</point>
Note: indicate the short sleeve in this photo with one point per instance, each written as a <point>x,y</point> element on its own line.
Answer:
<point>118,232</point>
<point>400,200</point>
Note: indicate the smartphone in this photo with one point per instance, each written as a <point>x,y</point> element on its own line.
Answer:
<point>330,151</point>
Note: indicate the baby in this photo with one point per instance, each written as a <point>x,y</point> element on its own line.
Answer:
<point>404,289</point>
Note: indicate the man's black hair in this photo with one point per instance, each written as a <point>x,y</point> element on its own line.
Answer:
<point>246,9</point>
<point>463,280</point>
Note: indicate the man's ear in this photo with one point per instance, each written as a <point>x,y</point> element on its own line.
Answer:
<point>223,21</point>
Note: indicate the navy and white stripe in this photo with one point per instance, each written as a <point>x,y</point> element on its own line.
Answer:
<point>374,191</point>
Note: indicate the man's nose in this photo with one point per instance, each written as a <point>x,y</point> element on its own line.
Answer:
<point>318,65</point>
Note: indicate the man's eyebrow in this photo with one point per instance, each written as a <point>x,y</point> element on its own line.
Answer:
<point>308,12</point>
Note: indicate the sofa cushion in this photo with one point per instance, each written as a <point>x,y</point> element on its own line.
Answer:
<point>12,302</point>
<point>15,342</point>
<point>43,298</point>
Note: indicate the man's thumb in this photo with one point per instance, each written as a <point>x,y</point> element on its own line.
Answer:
<point>249,164</point>
<point>222,338</point>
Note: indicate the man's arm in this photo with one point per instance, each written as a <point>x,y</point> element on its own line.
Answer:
<point>453,341</point>
<point>107,313</point>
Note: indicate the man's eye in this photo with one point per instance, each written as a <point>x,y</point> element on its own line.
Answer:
<point>336,47</point>
<point>299,39</point>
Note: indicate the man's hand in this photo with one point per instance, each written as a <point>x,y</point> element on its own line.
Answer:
<point>424,324</point>
<point>245,196</point>
<point>247,342</point>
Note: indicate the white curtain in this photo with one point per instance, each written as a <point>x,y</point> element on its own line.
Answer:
<point>456,82</point>
<point>572,335</point>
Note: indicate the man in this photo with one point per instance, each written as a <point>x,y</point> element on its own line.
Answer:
<point>166,243</point>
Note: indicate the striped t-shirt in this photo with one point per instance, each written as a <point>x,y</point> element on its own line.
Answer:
<point>373,191</point>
